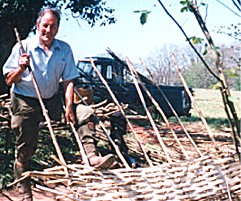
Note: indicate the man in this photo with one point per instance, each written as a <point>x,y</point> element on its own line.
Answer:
<point>51,60</point>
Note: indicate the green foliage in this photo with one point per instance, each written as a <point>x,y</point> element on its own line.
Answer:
<point>22,14</point>
<point>6,157</point>
<point>91,11</point>
<point>232,73</point>
<point>195,40</point>
<point>233,76</point>
<point>218,85</point>
<point>205,49</point>
<point>197,76</point>
<point>188,5</point>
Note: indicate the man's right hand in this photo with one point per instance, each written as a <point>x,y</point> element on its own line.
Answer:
<point>24,61</point>
<point>15,75</point>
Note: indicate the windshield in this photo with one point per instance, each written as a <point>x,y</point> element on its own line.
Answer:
<point>87,71</point>
<point>85,67</point>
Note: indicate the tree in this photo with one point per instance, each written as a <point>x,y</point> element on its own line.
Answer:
<point>23,14</point>
<point>193,7</point>
<point>162,66</point>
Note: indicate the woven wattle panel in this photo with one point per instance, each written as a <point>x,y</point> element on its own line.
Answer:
<point>207,178</point>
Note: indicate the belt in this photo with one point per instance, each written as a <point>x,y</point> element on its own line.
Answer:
<point>33,98</point>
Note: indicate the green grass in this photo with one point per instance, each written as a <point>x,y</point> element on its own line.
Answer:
<point>211,105</point>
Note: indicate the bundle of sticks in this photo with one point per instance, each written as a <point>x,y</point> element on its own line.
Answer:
<point>105,109</point>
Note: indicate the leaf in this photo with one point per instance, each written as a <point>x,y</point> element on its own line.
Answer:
<point>184,9</point>
<point>143,18</point>
<point>205,52</point>
<point>231,73</point>
<point>190,38</point>
<point>183,2</point>
<point>233,99</point>
<point>217,85</point>
<point>215,48</point>
<point>196,40</point>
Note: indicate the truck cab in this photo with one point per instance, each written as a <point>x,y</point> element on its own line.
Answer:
<point>120,81</point>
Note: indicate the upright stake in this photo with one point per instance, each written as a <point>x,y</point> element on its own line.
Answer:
<point>44,110</point>
<point>148,113</point>
<point>122,111</point>
<point>194,102</point>
<point>173,111</point>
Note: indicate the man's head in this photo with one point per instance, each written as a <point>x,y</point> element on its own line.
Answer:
<point>47,25</point>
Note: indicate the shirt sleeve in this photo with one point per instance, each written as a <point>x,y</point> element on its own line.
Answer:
<point>70,70</point>
<point>12,61</point>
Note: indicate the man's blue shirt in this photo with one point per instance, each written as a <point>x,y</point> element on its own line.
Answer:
<point>48,69</point>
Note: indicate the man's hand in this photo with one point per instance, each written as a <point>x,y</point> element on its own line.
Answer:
<point>69,94</point>
<point>15,75</point>
<point>69,115</point>
<point>24,61</point>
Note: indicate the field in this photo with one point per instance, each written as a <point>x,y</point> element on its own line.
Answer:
<point>210,103</point>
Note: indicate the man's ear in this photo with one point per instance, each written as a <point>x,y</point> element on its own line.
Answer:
<point>37,25</point>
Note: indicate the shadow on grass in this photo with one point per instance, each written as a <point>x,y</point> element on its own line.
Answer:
<point>212,122</point>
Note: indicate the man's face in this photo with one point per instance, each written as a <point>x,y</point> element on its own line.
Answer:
<point>47,28</point>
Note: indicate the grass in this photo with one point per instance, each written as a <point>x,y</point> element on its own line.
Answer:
<point>210,103</point>
<point>211,106</point>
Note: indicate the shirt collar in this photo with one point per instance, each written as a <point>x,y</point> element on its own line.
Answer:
<point>37,44</point>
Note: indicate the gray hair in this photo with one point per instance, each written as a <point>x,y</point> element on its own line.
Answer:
<point>56,12</point>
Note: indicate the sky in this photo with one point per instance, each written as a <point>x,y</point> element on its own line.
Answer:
<point>129,38</point>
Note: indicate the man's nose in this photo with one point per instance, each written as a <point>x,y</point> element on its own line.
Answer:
<point>48,29</point>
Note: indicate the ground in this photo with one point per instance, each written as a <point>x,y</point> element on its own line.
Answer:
<point>12,195</point>
<point>147,137</point>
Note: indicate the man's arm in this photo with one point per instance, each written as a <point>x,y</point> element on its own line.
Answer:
<point>69,93</point>
<point>15,75</point>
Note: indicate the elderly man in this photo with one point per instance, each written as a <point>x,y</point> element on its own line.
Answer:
<point>51,60</point>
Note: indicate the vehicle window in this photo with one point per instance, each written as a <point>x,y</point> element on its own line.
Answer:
<point>127,76</point>
<point>95,76</point>
<point>109,70</point>
<point>119,76</point>
<point>84,66</point>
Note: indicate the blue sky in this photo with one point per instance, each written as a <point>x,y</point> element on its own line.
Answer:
<point>129,38</point>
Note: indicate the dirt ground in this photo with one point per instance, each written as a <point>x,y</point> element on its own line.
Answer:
<point>12,195</point>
